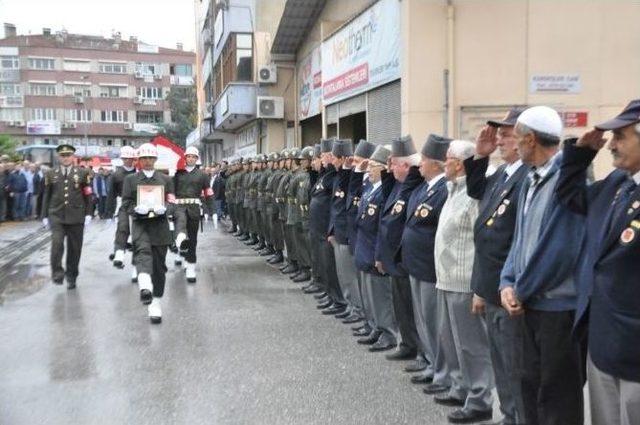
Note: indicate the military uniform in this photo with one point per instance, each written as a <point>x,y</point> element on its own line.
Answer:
<point>114,192</point>
<point>273,214</point>
<point>67,202</point>
<point>281,203</point>
<point>301,229</point>
<point>261,213</point>
<point>293,219</point>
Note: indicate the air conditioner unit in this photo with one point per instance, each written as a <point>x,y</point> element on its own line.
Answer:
<point>139,74</point>
<point>79,99</point>
<point>65,125</point>
<point>104,94</point>
<point>157,76</point>
<point>270,107</point>
<point>19,123</point>
<point>128,126</point>
<point>268,74</point>
<point>11,123</point>
<point>73,125</point>
<point>138,100</point>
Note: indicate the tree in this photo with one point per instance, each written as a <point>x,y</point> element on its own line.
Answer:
<point>184,114</point>
<point>8,147</point>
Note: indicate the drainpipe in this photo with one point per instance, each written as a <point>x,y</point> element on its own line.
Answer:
<point>449,73</point>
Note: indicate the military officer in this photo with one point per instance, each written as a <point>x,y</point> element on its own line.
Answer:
<point>150,226</point>
<point>281,199</point>
<point>301,231</point>
<point>191,190</point>
<point>275,230</point>
<point>267,196</point>
<point>261,214</point>
<point>114,198</point>
<point>67,210</point>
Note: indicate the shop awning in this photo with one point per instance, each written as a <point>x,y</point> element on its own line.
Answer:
<point>297,19</point>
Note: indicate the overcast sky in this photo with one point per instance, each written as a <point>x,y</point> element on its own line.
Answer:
<point>159,22</point>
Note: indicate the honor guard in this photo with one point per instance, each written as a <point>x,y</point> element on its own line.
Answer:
<point>114,200</point>
<point>191,189</point>
<point>67,210</point>
<point>146,196</point>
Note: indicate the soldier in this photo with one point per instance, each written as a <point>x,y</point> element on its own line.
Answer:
<point>230,192</point>
<point>191,185</point>
<point>250,238</point>
<point>114,199</point>
<point>317,286</point>
<point>150,228</point>
<point>267,194</point>
<point>67,210</point>
<point>274,219</point>
<point>281,202</point>
<point>301,229</point>
<point>293,215</point>
<point>261,214</point>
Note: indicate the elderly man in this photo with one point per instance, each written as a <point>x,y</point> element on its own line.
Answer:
<point>404,164</point>
<point>538,278</point>
<point>462,335</point>
<point>609,265</point>
<point>418,238</point>
<point>493,232</point>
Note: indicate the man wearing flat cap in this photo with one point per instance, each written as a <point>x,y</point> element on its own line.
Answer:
<point>609,264</point>
<point>404,163</point>
<point>418,239</point>
<point>66,210</point>
<point>493,233</point>
<point>537,280</point>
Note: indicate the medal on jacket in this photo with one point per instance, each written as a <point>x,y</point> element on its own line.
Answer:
<point>76,180</point>
<point>356,201</point>
<point>634,207</point>
<point>627,236</point>
<point>339,194</point>
<point>372,209</point>
<point>490,222</point>
<point>397,208</point>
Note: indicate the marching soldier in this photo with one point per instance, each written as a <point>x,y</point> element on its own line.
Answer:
<point>128,156</point>
<point>191,184</point>
<point>67,210</point>
<point>150,226</point>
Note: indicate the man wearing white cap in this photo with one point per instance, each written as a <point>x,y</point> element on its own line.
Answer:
<point>148,197</point>
<point>537,280</point>
<point>192,186</point>
<point>114,197</point>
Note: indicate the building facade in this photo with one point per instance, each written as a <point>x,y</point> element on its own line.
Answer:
<point>95,93</point>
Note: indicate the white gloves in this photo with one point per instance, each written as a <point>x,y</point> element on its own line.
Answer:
<point>141,209</point>
<point>159,210</point>
<point>87,220</point>
<point>206,217</point>
<point>45,223</point>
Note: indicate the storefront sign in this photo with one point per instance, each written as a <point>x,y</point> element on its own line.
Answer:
<point>310,80</point>
<point>574,119</point>
<point>43,127</point>
<point>364,54</point>
<point>541,84</point>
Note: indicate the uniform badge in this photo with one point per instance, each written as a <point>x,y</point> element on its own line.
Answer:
<point>635,205</point>
<point>76,180</point>
<point>424,212</point>
<point>501,209</point>
<point>340,194</point>
<point>429,193</point>
<point>397,208</point>
<point>301,184</point>
<point>627,236</point>
<point>490,222</point>
<point>371,210</point>
<point>635,224</point>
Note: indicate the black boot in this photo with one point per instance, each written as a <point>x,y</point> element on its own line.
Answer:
<point>252,240</point>
<point>267,251</point>
<point>303,276</point>
<point>277,258</point>
<point>292,268</point>
<point>244,237</point>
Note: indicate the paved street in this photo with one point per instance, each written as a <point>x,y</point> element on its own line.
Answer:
<point>242,346</point>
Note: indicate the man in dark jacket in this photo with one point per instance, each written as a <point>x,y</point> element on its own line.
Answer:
<point>17,184</point>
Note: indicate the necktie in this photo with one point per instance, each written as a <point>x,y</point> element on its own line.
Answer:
<point>535,181</point>
<point>620,202</point>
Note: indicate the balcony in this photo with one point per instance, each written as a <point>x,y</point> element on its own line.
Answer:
<point>235,107</point>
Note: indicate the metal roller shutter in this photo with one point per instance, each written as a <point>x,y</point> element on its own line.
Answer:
<point>383,113</point>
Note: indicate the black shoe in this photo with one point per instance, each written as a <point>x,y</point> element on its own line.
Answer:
<point>260,246</point>
<point>57,281</point>
<point>304,276</point>
<point>320,295</point>
<point>173,248</point>
<point>312,289</point>
<point>468,416</point>
<point>244,237</point>
<point>294,275</point>
<point>435,389</point>
<point>381,345</point>
<point>184,247</point>
<point>362,332</point>
<point>371,339</point>
<point>402,353</point>
<point>267,251</point>
<point>252,241</point>
<point>418,365</point>
<point>352,319</point>
<point>332,311</point>
<point>276,259</point>
<point>71,284</point>
<point>343,315</point>
<point>324,305</point>
<point>291,268</point>
<point>112,256</point>
<point>446,400</point>
<point>361,327</point>
<point>421,379</point>
<point>146,296</point>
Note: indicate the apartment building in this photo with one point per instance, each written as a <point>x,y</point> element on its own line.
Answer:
<point>93,92</point>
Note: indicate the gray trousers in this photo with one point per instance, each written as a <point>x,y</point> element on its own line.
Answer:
<point>506,355</point>
<point>469,362</point>
<point>348,278</point>
<point>425,307</point>
<point>365,296</point>
<point>614,401</point>
<point>381,301</point>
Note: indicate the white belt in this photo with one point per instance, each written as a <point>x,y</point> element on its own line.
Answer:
<point>188,201</point>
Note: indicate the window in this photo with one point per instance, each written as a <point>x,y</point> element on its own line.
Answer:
<point>149,117</point>
<point>79,115</point>
<point>45,114</point>
<point>113,91</point>
<point>236,63</point>
<point>113,68</point>
<point>42,89</point>
<point>77,90</point>
<point>149,92</point>
<point>8,89</point>
<point>145,68</point>
<point>41,64</point>
<point>181,69</point>
<point>9,62</point>
<point>9,114</point>
<point>76,65</point>
<point>113,116</point>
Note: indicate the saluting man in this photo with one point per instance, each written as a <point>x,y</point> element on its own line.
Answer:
<point>150,227</point>
<point>67,210</point>
<point>191,184</point>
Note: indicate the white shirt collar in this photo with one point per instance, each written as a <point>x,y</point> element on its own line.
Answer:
<point>148,173</point>
<point>376,185</point>
<point>636,177</point>
<point>512,168</point>
<point>190,169</point>
<point>435,180</point>
<point>128,168</point>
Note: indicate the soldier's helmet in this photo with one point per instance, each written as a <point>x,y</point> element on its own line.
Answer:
<point>147,150</point>
<point>284,154</point>
<point>294,153</point>
<point>127,152</point>
<point>306,153</point>
<point>274,156</point>
<point>192,150</point>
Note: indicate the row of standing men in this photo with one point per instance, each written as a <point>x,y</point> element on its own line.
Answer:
<point>480,279</point>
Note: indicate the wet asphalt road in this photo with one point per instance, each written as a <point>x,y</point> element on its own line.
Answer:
<point>241,346</point>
